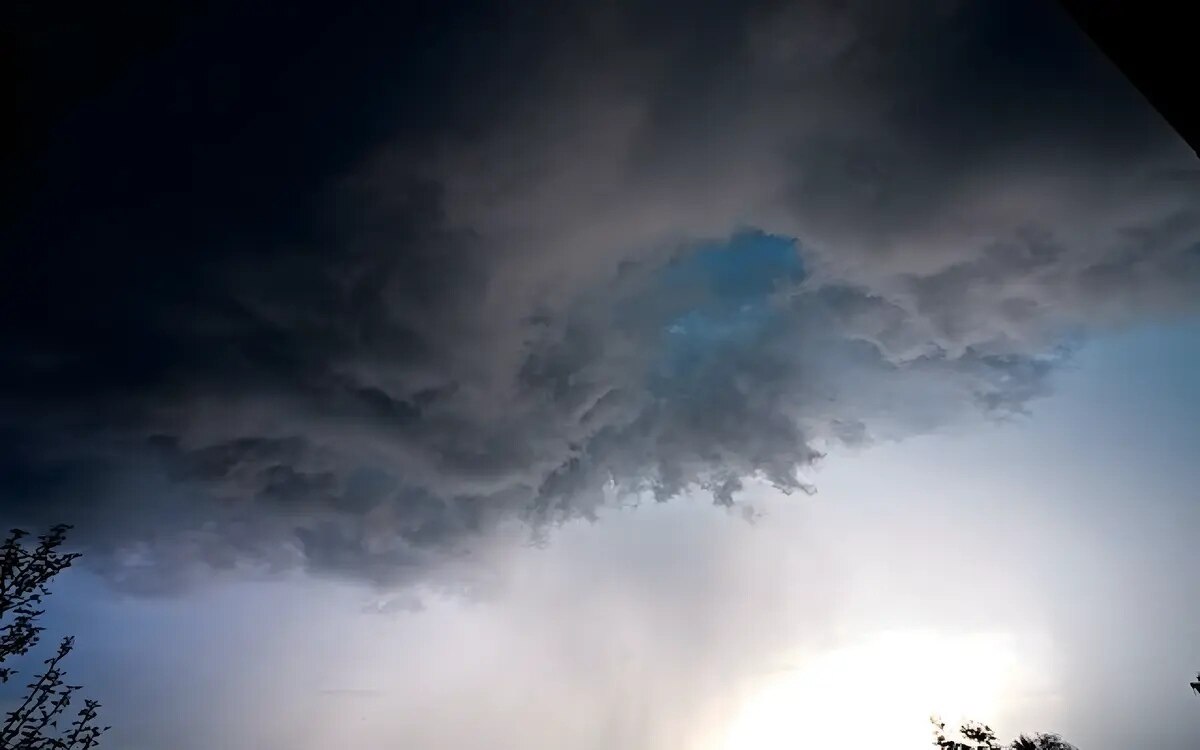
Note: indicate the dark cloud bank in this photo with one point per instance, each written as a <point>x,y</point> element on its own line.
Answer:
<point>343,287</point>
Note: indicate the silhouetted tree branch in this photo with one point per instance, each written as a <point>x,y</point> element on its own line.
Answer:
<point>982,737</point>
<point>1041,742</point>
<point>25,571</point>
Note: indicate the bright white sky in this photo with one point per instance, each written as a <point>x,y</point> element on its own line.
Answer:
<point>1035,575</point>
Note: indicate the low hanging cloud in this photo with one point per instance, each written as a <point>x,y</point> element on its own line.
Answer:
<point>353,295</point>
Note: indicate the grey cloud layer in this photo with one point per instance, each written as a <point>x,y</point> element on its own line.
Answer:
<point>476,329</point>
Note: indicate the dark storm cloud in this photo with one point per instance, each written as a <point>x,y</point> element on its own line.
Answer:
<point>347,288</point>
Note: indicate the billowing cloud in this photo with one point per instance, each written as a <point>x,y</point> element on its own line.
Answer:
<point>365,288</point>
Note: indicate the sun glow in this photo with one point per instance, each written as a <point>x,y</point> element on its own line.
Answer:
<point>880,692</point>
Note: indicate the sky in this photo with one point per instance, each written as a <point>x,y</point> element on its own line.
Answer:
<point>743,377</point>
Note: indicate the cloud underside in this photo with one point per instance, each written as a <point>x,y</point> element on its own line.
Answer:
<point>532,265</point>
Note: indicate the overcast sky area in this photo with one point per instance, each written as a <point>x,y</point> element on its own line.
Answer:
<point>655,376</point>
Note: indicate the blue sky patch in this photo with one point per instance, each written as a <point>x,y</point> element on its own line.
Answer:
<point>720,299</point>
